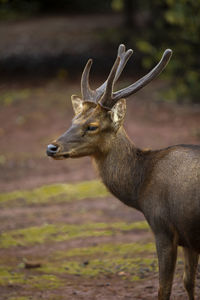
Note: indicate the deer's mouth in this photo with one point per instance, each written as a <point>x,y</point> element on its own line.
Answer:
<point>61,156</point>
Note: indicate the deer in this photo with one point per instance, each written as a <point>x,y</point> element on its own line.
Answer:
<point>164,184</point>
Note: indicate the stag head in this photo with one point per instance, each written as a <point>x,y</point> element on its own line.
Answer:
<point>99,113</point>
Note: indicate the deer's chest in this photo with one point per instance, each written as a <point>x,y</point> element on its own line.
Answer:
<point>120,182</point>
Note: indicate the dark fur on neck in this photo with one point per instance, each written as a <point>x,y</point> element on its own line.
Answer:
<point>123,169</point>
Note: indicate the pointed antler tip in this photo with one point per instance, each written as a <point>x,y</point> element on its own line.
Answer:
<point>167,55</point>
<point>90,61</point>
<point>130,51</point>
<point>168,52</point>
<point>121,48</point>
<point>86,91</point>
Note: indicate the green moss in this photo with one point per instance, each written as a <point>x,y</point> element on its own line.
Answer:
<point>7,276</point>
<point>131,226</point>
<point>109,250</point>
<point>63,232</point>
<point>112,259</point>
<point>57,192</point>
<point>27,236</point>
<point>44,281</point>
<point>130,266</point>
<point>57,297</point>
<point>134,261</point>
<point>105,259</point>
<point>19,298</point>
<point>47,281</point>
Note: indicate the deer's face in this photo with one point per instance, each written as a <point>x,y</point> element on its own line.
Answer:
<point>92,129</point>
<point>95,125</point>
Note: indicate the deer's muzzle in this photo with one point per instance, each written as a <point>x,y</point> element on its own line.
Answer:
<point>54,150</point>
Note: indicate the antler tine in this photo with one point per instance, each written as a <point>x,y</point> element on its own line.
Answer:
<point>86,91</point>
<point>95,95</point>
<point>124,57</point>
<point>133,88</point>
<point>107,96</point>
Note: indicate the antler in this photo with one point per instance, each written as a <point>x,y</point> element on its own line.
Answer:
<point>109,98</point>
<point>95,95</point>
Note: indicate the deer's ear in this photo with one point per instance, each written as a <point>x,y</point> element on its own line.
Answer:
<point>118,112</point>
<point>77,104</point>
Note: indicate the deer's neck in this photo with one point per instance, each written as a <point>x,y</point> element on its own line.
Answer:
<point>122,169</point>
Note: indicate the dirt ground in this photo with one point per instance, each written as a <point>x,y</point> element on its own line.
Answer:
<point>63,236</point>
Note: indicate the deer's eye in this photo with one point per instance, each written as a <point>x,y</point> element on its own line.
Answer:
<point>92,128</point>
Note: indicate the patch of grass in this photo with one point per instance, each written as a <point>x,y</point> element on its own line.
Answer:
<point>125,260</point>
<point>109,250</point>
<point>63,232</point>
<point>122,259</point>
<point>132,261</point>
<point>41,282</point>
<point>19,298</point>
<point>57,193</point>
<point>107,266</point>
<point>46,281</point>
<point>130,226</point>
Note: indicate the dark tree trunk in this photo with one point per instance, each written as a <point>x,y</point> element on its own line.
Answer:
<point>128,12</point>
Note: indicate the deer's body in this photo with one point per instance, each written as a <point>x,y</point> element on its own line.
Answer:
<point>163,184</point>
<point>145,180</point>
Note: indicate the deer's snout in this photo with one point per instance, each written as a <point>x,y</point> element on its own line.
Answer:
<point>52,149</point>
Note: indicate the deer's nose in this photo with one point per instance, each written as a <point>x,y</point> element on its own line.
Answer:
<point>52,149</point>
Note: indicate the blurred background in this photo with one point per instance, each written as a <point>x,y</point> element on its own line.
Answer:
<point>44,46</point>
<point>55,38</point>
